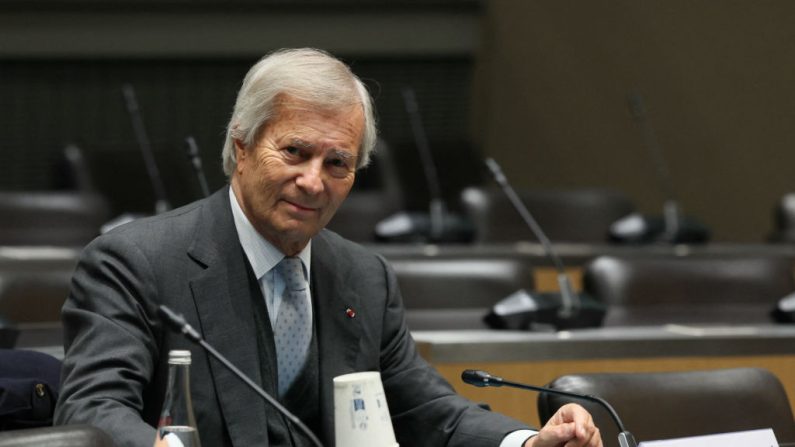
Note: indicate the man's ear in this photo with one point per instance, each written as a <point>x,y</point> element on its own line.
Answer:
<point>240,149</point>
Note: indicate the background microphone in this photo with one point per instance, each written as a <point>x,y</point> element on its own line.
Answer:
<point>438,225</point>
<point>566,309</point>
<point>784,312</point>
<point>672,227</point>
<point>178,324</point>
<point>484,379</point>
<point>161,203</point>
<point>196,162</point>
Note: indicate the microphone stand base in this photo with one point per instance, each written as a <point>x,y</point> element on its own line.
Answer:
<point>542,311</point>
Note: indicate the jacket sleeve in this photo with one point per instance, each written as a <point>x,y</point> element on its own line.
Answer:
<point>425,409</point>
<point>110,345</point>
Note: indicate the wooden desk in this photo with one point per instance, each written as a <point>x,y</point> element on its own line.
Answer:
<point>538,358</point>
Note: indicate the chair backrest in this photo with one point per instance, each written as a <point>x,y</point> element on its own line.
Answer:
<point>583,215</point>
<point>57,218</point>
<point>34,290</point>
<point>61,436</point>
<point>667,405</point>
<point>455,293</point>
<point>648,289</point>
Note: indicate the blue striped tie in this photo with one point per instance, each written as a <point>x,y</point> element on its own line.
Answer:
<point>293,330</point>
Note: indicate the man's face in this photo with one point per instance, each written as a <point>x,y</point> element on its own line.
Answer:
<point>298,172</point>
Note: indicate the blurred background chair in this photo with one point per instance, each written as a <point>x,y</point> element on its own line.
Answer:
<point>784,219</point>
<point>34,282</point>
<point>582,215</point>
<point>650,289</point>
<point>56,218</point>
<point>62,436</point>
<point>69,214</point>
<point>668,405</point>
<point>453,293</point>
<point>33,292</point>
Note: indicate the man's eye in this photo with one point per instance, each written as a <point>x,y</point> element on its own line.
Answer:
<point>292,150</point>
<point>339,167</point>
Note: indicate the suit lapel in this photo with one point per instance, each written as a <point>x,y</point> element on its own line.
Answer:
<point>223,300</point>
<point>337,333</point>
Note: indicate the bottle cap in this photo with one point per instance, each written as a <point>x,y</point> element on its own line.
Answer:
<point>179,357</point>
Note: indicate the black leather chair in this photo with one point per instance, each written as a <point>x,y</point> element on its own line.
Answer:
<point>649,289</point>
<point>33,290</point>
<point>668,405</point>
<point>62,436</point>
<point>455,293</point>
<point>583,215</point>
<point>57,218</point>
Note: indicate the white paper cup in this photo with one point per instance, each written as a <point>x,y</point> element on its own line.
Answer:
<point>361,414</point>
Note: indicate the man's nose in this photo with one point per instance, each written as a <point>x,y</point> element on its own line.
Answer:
<point>311,177</point>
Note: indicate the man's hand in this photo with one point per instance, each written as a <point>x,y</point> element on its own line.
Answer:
<point>571,426</point>
<point>160,442</point>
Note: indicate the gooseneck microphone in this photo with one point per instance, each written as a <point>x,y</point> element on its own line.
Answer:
<point>569,306</point>
<point>161,202</point>
<point>196,162</point>
<point>178,324</point>
<point>438,224</point>
<point>483,379</point>
<point>673,227</point>
<point>437,207</point>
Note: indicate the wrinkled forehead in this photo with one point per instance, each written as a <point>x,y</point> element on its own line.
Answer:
<point>307,124</point>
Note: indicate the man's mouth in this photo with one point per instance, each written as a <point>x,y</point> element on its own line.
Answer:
<point>300,207</point>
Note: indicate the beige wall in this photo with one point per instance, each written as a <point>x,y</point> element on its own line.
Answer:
<point>718,79</point>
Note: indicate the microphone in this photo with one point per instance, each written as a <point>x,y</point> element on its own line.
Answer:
<point>673,227</point>
<point>196,162</point>
<point>784,312</point>
<point>178,324</point>
<point>438,225</point>
<point>161,202</point>
<point>484,379</point>
<point>563,310</point>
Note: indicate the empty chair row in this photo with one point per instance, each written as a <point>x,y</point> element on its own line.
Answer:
<point>445,293</point>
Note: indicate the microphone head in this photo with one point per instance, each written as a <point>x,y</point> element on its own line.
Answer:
<point>496,171</point>
<point>178,323</point>
<point>784,312</point>
<point>171,318</point>
<point>479,378</point>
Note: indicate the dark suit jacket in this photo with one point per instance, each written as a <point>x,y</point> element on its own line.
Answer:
<point>190,259</point>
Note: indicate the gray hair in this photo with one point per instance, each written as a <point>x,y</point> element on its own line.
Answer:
<point>306,74</point>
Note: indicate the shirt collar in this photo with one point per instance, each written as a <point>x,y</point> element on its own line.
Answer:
<point>261,254</point>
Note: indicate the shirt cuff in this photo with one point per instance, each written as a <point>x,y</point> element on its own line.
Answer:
<point>517,438</point>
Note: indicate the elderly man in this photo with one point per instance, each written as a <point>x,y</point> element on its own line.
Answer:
<point>291,304</point>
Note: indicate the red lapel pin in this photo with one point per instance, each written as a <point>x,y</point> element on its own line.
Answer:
<point>350,313</point>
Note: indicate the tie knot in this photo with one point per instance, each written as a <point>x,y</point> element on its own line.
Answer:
<point>292,272</point>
